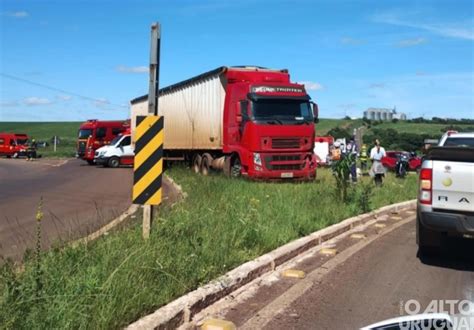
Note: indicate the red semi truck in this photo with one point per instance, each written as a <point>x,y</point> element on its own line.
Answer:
<point>94,134</point>
<point>248,121</point>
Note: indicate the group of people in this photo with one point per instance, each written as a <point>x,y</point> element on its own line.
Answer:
<point>351,149</point>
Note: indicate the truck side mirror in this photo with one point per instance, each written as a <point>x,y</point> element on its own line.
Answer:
<point>315,109</point>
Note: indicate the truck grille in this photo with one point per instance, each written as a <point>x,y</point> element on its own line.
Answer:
<point>283,158</point>
<point>287,167</point>
<point>290,143</point>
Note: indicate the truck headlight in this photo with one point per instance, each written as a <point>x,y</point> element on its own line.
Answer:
<point>256,159</point>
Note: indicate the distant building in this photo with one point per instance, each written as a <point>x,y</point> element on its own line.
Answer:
<point>384,114</point>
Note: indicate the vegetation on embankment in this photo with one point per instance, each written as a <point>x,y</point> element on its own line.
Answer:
<point>220,225</point>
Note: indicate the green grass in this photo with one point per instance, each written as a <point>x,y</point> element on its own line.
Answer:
<point>222,224</point>
<point>431,129</point>
<point>326,124</point>
<point>44,131</point>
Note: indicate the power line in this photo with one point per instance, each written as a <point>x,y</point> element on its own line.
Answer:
<point>60,90</point>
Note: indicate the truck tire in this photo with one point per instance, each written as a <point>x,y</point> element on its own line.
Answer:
<point>113,162</point>
<point>90,162</point>
<point>196,166</point>
<point>206,164</point>
<point>429,241</point>
<point>236,168</point>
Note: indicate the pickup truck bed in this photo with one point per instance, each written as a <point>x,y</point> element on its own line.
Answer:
<point>446,199</point>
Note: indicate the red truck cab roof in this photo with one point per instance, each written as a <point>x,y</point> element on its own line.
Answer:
<point>94,123</point>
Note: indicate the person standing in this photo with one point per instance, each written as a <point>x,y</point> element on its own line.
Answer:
<point>351,151</point>
<point>377,169</point>
<point>364,157</point>
<point>31,151</point>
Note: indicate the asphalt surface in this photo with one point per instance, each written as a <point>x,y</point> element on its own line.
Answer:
<point>375,283</point>
<point>77,200</point>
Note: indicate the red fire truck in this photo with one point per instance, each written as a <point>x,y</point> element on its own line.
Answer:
<point>94,134</point>
<point>249,121</point>
<point>13,145</point>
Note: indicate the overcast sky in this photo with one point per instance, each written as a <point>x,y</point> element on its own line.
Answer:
<point>415,55</point>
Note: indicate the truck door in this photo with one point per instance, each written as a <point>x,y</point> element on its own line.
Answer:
<point>126,146</point>
<point>2,145</point>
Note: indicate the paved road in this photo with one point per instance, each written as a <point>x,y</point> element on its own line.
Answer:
<point>372,285</point>
<point>78,199</point>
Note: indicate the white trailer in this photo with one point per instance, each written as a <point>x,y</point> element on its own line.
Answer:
<point>193,111</point>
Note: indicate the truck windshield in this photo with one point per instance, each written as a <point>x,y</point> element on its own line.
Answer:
<point>115,140</point>
<point>278,110</point>
<point>84,133</point>
<point>21,141</point>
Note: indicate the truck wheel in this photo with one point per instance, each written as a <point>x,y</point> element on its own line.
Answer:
<point>90,162</point>
<point>114,162</point>
<point>196,167</point>
<point>206,164</point>
<point>429,241</point>
<point>236,169</point>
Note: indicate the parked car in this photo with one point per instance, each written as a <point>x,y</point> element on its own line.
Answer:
<point>389,161</point>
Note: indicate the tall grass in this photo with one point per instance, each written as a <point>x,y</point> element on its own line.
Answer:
<point>221,224</point>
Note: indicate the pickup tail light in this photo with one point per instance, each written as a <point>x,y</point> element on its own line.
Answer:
<point>426,186</point>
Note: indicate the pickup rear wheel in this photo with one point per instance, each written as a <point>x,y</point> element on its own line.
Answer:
<point>114,162</point>
<point>429,241</point>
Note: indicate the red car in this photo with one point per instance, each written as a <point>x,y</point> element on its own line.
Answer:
<point>389,161</point>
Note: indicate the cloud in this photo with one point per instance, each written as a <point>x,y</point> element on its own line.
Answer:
<point>132,69</point>
<point>102,103</point>
<point>351,41</point>
<point>32,101</point>
<point>64,97</point>
<point>377,85</point>
<point>411,42</point>
<point>312,86</point>
<point>458,30</point>
<point>17,14</point>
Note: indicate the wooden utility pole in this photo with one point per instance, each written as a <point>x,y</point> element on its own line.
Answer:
<point>152,105</point>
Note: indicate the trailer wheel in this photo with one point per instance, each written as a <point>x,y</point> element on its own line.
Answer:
<point>236,169</point>
<point>114,162</point>
<point>196,167</point>
<point>206,164</point>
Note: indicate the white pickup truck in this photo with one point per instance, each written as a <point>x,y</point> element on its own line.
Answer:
<point>446,193</point>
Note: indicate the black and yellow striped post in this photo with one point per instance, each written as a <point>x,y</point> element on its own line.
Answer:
<point>148,162</point>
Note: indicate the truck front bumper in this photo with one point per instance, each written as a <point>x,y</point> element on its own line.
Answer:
<point>101,160</point>
<point>452,223</point>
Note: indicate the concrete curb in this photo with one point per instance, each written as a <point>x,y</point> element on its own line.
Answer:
<point>184,308</point>
<point>115,222</point>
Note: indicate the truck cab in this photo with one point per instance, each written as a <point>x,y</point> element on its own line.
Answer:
<point>94,134</point>
<point>269,126</point>
<point>118,152</point>
<point>13,145</point>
